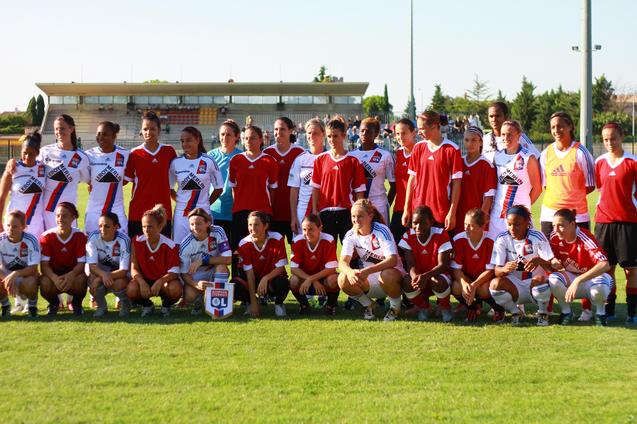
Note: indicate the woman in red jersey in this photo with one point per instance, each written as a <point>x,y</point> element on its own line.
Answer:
<point>313,265</point>
<point>63,259</point>
<point>154,265</point>
<point>147,168</point>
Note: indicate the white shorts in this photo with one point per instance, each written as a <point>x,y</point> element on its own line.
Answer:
<point>497,225</point>
<point>375,288</point>
<point>524,290</point>
<point>181,227</point>
<point>383,208</point>
<point>584,289</point>
<point>91,221</point>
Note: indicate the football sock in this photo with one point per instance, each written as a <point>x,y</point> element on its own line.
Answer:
<point>443,298</point>
<point>599,294</point>
<point>363,299</point>
<point>558,288</point>
<point>332,298</point>
<point>542,294</point>
<point>631,301</point>
<point>221,277</point>
<point>504,299</point>
<point>394,303</point>
<point>418,299</point>
<point>100,296</point>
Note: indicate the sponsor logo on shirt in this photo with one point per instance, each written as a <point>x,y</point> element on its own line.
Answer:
<point>508,177</point>
<point>40,171</point>
<point>212,244</point>
<point>307,179</point>
<point>201,169</point>
<point>24,250</point>
<point>612,174</point>
<point>116,249</point>
<point>376,157</point>
<point>75,161</point>
<point>119,159</point>
<point>519,163</point>
<point>375,242</point>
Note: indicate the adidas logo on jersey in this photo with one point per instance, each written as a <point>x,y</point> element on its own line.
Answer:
<point>430,158</point>
<point>154,161</point>
<point>424,252</point>
<point>251,167</point>
<point>282,162</point>
<point>313,258</point>
<point>612,174</point>
<point>467,172</point>
<point>262,258</point>
<point>475,256</point>
<point>64,250</point>
<point>405,164</point>
<point>335,168</point>
<point>151,258</point>
<point>559,172</point>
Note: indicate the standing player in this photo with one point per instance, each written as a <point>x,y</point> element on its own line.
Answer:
<point>284,151</point>
<point>568,174</point>
<point>301,174</point>
<point>205,256</point>
<point>427,251</point>
<point>520,256</point>
<point>313,265</point>
<point>478,179</point>
<point>154,265</point>
<point>147,169</point>
<point>435,174</point>
<point>108,253</point>
<point>195,174</point>
<point>616,217</point>
<point>498,113</point>
<point>19,259</point>
<point>336,178</point>
<point>381,269</point>
<point>582,267</point>
<point>378,165</point>
<point>519,181</point>
<point>406,135</point>
<point>107,165</point>
<point>62,261</point>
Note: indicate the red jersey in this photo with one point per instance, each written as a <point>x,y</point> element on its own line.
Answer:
<point>251,180</point>
<point>338,179</point>
<point>63,255</point>
<point>148,171</point>
<point>312,261</point>
<point>264,260</point>
<point>155,263</point>
<point>618,189</point>
<point>281,201</point>
<point>433,171</point>
<point>426,254</point>
<point>401,175</point>
<point>581,254</point>
<point>472,260</point>
<point>479,180</point>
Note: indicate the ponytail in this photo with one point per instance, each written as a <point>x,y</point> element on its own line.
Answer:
<point>158,213</point>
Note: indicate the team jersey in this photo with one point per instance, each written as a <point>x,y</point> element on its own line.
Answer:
<point>401,175</point>
<point>506,249</point>
<point>112,255</point>
<point>191,249</point>
<point>19,255</point>
<point>378,165</point>
<point>434,168</point>
<point>312,261</point>
<point>148,171</point>
<point>63,255</point>
<point>301,177</point>
<point>617,186</point>
<point>478,181</point>
<point>566,175</point>
<point>222,207</point>
<point>581,254</point>
<point>157,262</point>
<point>514,183</point>
<point>262,260</point>
<point>27,187</point>
<point>472,260</point>
<point>492,143</point>
<point>281,201</point>
<point>64,171</point>
<point>372,248</point>
<point>337,180</point>
<point>426,253</point>
<point>251,180</point>
<point>195,178</point>
<point>107,175</point>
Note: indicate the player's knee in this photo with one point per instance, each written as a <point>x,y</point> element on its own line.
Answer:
<point>29,287</point>
<point>541,292</point>
<point>497,284</point>
<point>342,281</point>
<point>132,291</point>
<point>331,282</point>
<point>295,283</point>
<point>119,284</point>
<point>172,290</point>
<point>456,288</point>
<point>191,294</point>
<point>599,293</point>
<point>47,288</point>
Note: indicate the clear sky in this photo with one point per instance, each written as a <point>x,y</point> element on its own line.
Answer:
<point>360,40</point>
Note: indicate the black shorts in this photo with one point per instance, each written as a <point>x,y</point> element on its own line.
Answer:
<point>283,228</point>
<point>619,241</point>
<point>396,226</point>
<point>135,229</point>
<point>227,228</point>
<point>336,223</point>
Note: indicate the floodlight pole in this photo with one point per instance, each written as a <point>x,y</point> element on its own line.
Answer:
<point>412,100</point>
<point>586,97</point>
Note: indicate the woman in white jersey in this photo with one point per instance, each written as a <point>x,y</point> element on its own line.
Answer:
<point>107,165</point>
<point>381,269</point>
<point>519,181</point>
<point>301,174</point>
<point>194,172</point>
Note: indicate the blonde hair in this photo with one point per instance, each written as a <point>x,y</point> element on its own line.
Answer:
<point>158,213</point>
<point>369,209</point>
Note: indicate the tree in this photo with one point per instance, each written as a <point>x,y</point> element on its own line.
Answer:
<point>373,105</point>
<point>40,108</point>
<point>602,94</point>
<point>480,90</point>
<point>501,97</point>
<point>387,107</point>
<point>322,75</point>
<point>410,108</point>
<point>155,81</point>
<point>438,101</point>
<point>524,108</point>
<point>32,111</point>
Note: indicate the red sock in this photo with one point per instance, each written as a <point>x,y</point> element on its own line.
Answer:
<point>586,304</point>
<point>420,301</point>
<point>445,302</point>
<point>550,306</point>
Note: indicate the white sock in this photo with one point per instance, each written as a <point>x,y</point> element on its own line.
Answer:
<point>442,295</point>
<point>394,303</point>
<point>363,299</point>
<point>411,295</point>
<point>558,288</point>
<point>504,299</point>
<point>599,294</point>
<point>542,294</point>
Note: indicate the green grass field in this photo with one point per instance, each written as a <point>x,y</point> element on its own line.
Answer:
<point>314,369</point>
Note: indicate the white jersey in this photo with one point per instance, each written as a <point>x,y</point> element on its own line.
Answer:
<point>109,255</point>
<point>378,165</point>
<point>191,249</point>
<point>194,178</point>
<point>107,177</point>
<point>19,255</point>
<point>514,183</point>
<point>373,248</point>
<point>301,177</point>
<point>27,188</point>
<point>506,249</point>
<point>492,144</point>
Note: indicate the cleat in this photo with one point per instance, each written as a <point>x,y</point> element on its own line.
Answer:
<point>99,313</point>
<point>165,311</point>
<point>264,300</point>
<point>350,304</point>
<point>78,311</point>
<point>586,315</point>
<point>197,310</point>
<point>522,310</point>
<point>600,321</point>
<point>381,302</point>
<point>498,316</point>
<point>6,311</point>
<point>391,315</point>
<point>330,310</point>
<point>472,315</point>
<point>147,310</point>
<point>53,309</point>
<point>565,319</point>
<point>631,320</point>
<point>124,311</point>
<point>515,319</point>
<point>304,310</point>
<point>33,311</point>
<point>279,310</point>
<point>447,315</point>
<point>542,320</point>
<point>322,301</point>
<point>423,315</point>
<point>182,303</point>
<point>368,313</point>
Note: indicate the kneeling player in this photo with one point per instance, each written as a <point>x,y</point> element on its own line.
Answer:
<point>381,272</point>
<point>427,252</point>
<point>520,256</point>
<point>263,258</point>
<point>313,265</point>
<point>19,259</point>
<point>108,259</point>
<point>583,267</point>
<point>154,265</point>
<point>205,256</point>
<point>471,268</point>
<point>63,258</point>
